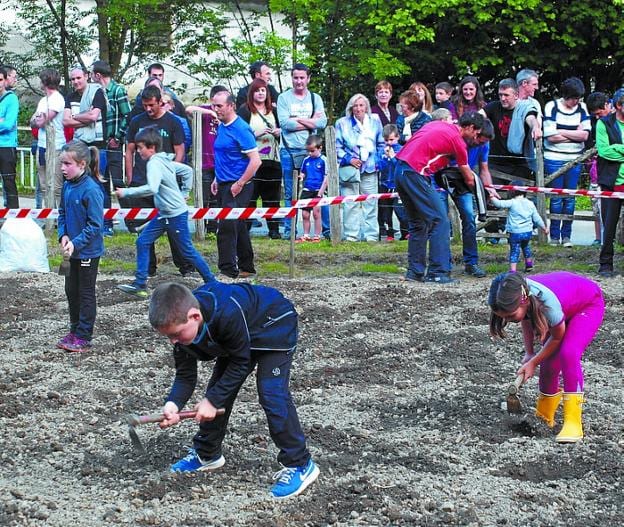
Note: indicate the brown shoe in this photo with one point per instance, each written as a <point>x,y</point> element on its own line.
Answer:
<point>246,274</point>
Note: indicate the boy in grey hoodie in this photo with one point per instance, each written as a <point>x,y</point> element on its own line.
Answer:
<point>170,200</point>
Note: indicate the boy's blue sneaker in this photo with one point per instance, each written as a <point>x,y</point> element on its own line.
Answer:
<point>193,463</point>
<point>292,481</point>
<point>134,290</point>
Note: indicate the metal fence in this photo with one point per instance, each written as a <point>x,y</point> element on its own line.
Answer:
<point>26,168</point>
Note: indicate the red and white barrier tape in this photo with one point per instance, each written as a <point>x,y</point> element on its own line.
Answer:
<point>564,191</point>
<point>281,212</point>
<point>205,213</point>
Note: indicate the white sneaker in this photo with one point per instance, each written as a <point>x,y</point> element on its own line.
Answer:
<point>567,243</point>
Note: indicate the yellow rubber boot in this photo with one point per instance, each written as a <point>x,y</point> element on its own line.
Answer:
<point>572,430</point>
<point>547,406</point>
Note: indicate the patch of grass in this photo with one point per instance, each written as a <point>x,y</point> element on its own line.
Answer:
<point>380,268</point>
<point>273,268</point>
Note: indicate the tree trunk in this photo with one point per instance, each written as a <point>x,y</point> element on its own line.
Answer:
<point>103,35</point>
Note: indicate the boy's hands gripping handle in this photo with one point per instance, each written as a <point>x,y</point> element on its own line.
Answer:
<point>135,420</point>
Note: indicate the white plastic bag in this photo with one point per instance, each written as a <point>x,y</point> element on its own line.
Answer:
<point>23,247</point>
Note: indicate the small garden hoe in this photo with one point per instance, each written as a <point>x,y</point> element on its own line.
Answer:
<point>134,420</point>
<point>513,401</point>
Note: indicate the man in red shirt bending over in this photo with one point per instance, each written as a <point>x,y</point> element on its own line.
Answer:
<point>428,151</point>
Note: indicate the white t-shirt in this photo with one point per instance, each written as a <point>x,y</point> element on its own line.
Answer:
<point>55,103</point>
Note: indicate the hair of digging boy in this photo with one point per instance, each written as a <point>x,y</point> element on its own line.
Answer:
<point>150,138</point>
<point>507,292</point>
<point>170,304</point>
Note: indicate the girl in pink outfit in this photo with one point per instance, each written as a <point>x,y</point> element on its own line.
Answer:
<point>563,311</point>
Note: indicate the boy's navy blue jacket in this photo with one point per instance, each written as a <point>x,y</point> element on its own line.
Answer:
<point>240,320</point>
<point>387,168</point>
<point>81,216</point>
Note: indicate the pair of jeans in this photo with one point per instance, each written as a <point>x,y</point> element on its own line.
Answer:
<point>272,380</point>
<point>561,229</point>
<point>465,206</point>
<point>179,235</point>
<point>610,210</point>
<point>8,171</point>
<point>360,218</point>
<point>233,241</point>
<point>428,224</point>
<point>267,186</point>
<point>111,172</point>
<point>80,292</point>
<point>520,241</point>
<point>208,198</point>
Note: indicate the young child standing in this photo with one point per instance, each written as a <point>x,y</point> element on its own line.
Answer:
<point>314,176</point>
<point>80,221</point>
<point>443,92</point>
<point>241,326</point>
<point>162,183</point>
<point>563,311</point>
<point>387,165</point>
<point>521,220</point>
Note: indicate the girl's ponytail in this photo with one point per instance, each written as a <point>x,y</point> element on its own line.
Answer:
<point>94,163</point>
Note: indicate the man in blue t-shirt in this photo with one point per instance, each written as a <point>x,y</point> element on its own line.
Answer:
<point>463,199</point>
<point>236,162</point>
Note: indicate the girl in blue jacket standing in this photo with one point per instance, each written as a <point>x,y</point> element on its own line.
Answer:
<point>81,216</point>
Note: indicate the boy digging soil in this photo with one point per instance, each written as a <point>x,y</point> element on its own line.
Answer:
<point>239,326</point>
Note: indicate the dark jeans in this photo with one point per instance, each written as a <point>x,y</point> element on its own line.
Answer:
<point>267,186</point>
<point>384,213</point>
<point>611,209</point>
<point>80,292</point>
<point>178,232</point>
<point>8,167</point>
<point>111,172</point>
<point>274,396</point>
<point>209,199</point>
<point>233,241</point>
<point>465,206</point>
<point>428,224</point>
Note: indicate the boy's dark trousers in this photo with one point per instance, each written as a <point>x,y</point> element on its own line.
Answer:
<point>80,291</point>
<point>272,380</point>
<point>233,241</point>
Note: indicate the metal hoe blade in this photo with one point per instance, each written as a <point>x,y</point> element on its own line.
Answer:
<point>134,437</point>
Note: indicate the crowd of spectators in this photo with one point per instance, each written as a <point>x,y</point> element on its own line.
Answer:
<point>273,131</point>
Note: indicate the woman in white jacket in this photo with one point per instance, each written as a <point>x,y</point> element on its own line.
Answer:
<point>359,147</point>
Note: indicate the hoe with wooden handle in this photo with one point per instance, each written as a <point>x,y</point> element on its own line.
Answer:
<point>134,420</point>
<point>513,402</point>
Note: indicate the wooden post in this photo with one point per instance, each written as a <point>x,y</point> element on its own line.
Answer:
<point>51,160</point>
<point>539,182</point>
<point>333,185</point>
<point>198,190</point>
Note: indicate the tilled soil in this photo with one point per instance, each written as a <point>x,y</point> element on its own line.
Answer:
<point>398,386</point>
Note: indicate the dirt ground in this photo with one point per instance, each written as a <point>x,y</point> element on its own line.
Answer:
<point>398,386</point>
